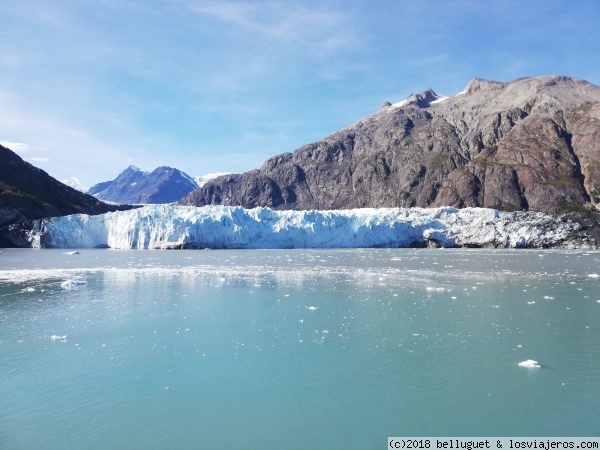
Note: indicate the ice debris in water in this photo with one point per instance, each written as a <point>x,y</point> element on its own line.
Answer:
<point>312,308</point>
<point>594,275</point>
<point>72,284</point>
<point>530,363</point>
<point>72,253</point>
<point>55,337</point>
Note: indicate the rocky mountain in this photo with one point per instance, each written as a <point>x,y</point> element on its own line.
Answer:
<point>27,192</point>
<point>163,185</point>
<point>530,144</point>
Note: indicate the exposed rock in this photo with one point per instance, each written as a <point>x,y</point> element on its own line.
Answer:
<point>27,193</point>
<point>531,144</point>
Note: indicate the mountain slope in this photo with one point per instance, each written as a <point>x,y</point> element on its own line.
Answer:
<point>27,192</point>
<point>531,144</point>
<point>163,185</point>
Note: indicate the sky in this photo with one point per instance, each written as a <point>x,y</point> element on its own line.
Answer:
<point>89,87</point>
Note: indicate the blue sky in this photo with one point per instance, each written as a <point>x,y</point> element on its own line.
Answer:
<point>89,87</point>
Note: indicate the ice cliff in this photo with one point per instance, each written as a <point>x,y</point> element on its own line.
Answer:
<point>217,227</point>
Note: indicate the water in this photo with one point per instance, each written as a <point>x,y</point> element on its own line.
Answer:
<point>295,348</point>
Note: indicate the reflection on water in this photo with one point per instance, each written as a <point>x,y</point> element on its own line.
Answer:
<point>207,349</point>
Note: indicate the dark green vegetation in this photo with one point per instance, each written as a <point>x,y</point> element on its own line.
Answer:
<point>28,193</point>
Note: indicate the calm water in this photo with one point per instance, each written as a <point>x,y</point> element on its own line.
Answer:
<point>295,348</point>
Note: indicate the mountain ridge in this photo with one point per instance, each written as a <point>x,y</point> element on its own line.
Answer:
<point>28,193</point>
<point>163,185</point>
<point>529,144</point>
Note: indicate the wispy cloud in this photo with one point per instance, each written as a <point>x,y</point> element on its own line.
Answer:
<point>282,21</point>
<point>15,146</point>
<point>38,159</point>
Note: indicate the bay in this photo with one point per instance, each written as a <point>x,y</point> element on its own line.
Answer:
<point>295,348</point>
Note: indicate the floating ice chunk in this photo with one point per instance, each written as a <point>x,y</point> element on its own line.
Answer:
<point>29,289</point>
<point>530,363</point>
<point>72,284</point>
<point>55,337</point>
<point>435,289</point>
<point>594,275</point>
<point>313,308</point>
<point>72,253</point>
<point>547,297</point>
<point>531,302</point>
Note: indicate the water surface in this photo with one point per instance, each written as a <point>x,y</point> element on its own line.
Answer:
<point>295,348</point>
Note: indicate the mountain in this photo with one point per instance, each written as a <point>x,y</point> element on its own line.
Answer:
<point>27,193</point>
<point>163,185</point>
<point>530,144</point>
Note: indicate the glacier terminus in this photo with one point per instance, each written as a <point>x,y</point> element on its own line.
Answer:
<point>229,227</point>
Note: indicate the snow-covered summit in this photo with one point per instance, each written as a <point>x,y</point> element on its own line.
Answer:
<point>168,226</point>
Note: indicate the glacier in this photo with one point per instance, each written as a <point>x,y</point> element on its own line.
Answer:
<point>221,227</point>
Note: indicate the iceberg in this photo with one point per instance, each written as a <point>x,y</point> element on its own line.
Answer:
<point>530,364</point>
<point>220,227</point>
<point>72,284</point>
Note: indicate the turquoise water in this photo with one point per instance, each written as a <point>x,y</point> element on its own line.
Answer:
<point>295,348</point>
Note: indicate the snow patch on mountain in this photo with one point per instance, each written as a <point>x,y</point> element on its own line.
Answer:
<point>203,179</point>
<point>170,226</point>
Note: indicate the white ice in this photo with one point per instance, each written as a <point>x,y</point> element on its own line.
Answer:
<point>530,363</point>
<point>72,284</point>
<point>54,337</point>
<point>169,226</point>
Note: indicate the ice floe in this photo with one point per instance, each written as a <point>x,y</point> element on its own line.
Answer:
<point>55,337</point>
<point>530,363</point>
<point>72,284</point>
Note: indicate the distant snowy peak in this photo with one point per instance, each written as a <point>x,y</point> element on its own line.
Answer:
<point>134,186</point>
<point>75,184</point>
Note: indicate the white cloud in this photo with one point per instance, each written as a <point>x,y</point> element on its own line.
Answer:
<point>37,159</point>
<point>15,146</point>
<point>320,30</point>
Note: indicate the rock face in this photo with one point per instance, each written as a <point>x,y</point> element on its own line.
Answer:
<point>27,193</point>
<point>163,185</point>
<point>531,144</point>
